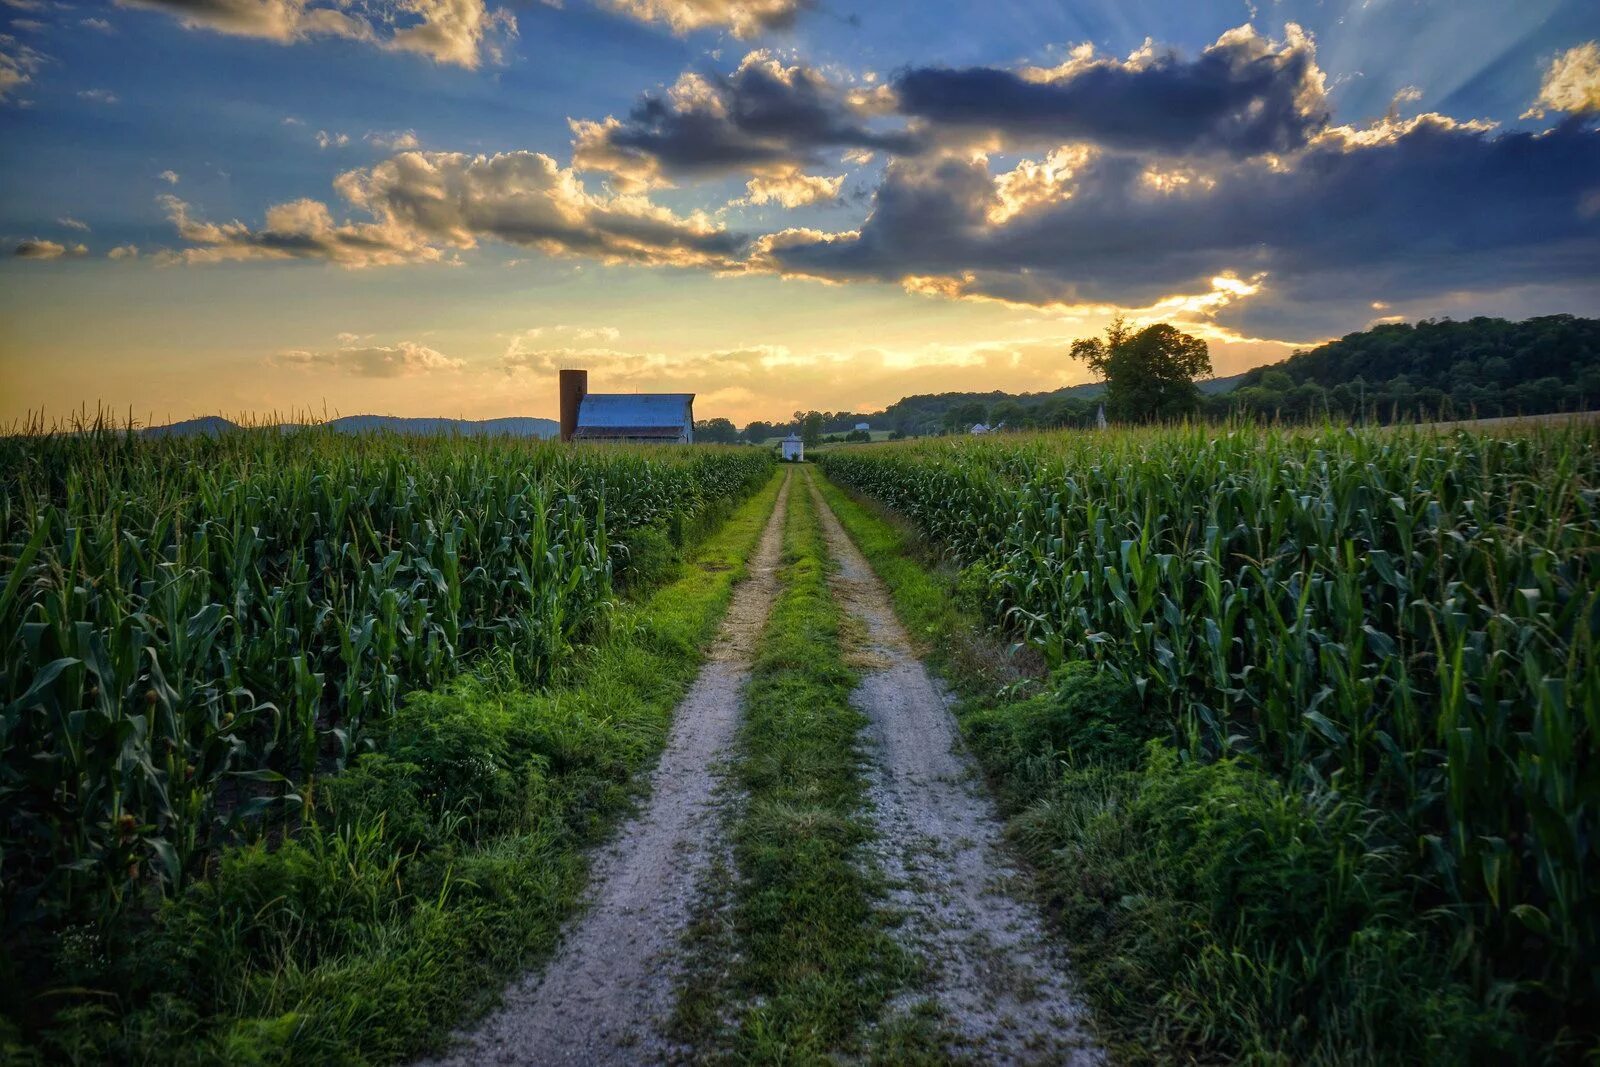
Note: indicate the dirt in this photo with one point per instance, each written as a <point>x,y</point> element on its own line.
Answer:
<point>606,995</point>
<point>998,984</point>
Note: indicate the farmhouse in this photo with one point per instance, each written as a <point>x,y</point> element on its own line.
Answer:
<point>623,418</point>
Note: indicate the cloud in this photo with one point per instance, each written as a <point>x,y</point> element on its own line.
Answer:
<point>124,252</point>
<point>1571,83</point>
<point>404,360</point>
<point>459,32</point>
<point>73,224</point>
<point>1426,206</point>
<point>98,25</point>
<point>395,141</point>
<point>332,140</point>
<point>18,64</point>
<point>525,341</point>
<point>644,370</point>
<point>790,188</point>
<point>763,118</point>
<point>169,176</point>
<point>745,18</point>
<point>300,229</point>
<point>1244,95</point>
<point>425,203</point>
<point>98,96</point>
<point>39,248</point>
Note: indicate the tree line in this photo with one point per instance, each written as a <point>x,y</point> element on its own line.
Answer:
<point>1434,369</point>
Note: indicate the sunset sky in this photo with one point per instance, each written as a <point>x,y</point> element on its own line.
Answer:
<point>425,207</point>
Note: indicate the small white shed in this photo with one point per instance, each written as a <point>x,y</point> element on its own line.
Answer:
<point>794,449</point>
<point>864,426</point>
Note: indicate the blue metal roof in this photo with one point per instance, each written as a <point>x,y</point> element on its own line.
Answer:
<point>601,410</point>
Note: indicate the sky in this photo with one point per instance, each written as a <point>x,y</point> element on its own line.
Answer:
<point>427,207</point>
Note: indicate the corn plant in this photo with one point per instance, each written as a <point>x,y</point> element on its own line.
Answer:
<point>1407,617</point>
<point>193,629</point>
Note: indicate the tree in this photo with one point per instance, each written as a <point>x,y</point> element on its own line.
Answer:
<point>811,428</point>
<point>1007,413</point>
<point>715,432</point>
<point>759,431</point>
<point>1149,375</point>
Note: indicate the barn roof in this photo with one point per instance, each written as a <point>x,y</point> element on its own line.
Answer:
<point>632,411</point>
<point>642,433</point>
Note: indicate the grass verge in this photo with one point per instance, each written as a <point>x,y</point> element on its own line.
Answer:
<point>1213,914</point>
<point>433,868</point>
<point>813,962</point>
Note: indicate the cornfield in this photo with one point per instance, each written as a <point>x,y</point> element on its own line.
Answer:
<point>1406,618</point>
<point>192,629</point>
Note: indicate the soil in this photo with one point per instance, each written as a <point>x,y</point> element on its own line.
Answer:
<point>608,993</point>
<point>998,986</point>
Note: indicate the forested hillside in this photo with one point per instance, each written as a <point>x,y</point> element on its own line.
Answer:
<point>1479,368</point>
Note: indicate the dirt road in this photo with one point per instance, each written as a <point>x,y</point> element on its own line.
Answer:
<point>604,996</point>
<point>998,982</point>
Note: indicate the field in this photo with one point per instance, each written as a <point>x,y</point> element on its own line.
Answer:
<point>313,743</point>
<point>1341,688</point>
<point>196,633</point>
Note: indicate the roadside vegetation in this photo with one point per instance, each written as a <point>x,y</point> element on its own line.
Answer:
<point>304,734</point>
<point>800,962</point>
<point>1305,749</point>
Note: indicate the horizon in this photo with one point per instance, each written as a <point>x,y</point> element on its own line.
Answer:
<point>424,212</point>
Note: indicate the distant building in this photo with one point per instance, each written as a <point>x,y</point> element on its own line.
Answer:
<point>979,428</point>
<point>623,418</point>
<point>794,449</point>
<point>864,427</point>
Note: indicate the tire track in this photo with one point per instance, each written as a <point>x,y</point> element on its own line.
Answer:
<point>606,995</point>
<point>1001,989</point>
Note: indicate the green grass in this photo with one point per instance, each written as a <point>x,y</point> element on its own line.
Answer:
<point>1214,913</point>
<point>434,868</point>
<point>813,961</point>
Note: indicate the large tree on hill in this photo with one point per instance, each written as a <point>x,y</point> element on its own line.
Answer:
<point>1150,374</point>
<point>715,432</point>
<point>810,427</point>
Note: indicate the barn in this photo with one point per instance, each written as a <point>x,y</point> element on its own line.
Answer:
<point>623,418</point>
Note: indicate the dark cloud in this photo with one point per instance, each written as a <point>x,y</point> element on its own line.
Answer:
<point>39,248</point>
<point>762,117</point>
<point>1403,210</point>
<point>1244,95</point>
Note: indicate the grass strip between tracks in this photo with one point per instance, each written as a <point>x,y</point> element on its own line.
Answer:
<point>813,961</point>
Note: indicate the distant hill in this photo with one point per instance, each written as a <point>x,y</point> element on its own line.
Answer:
<point>211,425</point>
<point>1482,367</point>
<point>205,426</point>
